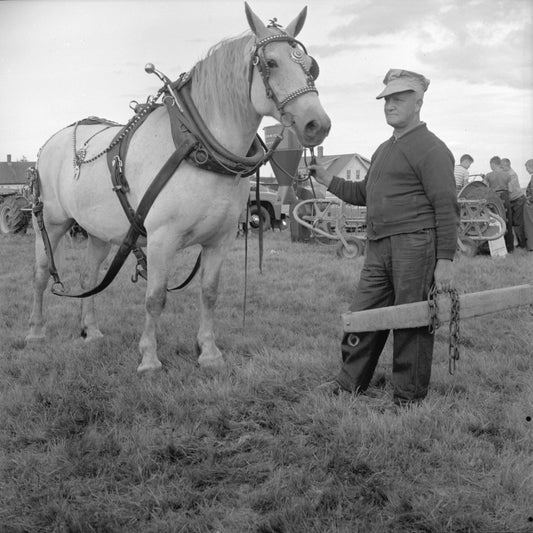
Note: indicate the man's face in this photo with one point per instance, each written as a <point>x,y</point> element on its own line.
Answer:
<point>402,109</point>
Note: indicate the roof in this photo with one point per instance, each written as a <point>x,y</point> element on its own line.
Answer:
<point>15,172</point>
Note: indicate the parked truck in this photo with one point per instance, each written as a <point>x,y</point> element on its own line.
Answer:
<point>277,194</point>
<point>271,208</point>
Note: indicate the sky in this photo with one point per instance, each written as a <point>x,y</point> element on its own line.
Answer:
<point>64,61</point>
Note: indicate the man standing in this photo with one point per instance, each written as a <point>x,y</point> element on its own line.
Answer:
<point>412,219</point>
<point>517,200</point>
<point>499,181</point>
<point>461,171</point>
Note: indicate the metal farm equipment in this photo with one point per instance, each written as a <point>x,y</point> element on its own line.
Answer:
<point>15,203</point>
<point>334,222</point>
<point>482,217</point>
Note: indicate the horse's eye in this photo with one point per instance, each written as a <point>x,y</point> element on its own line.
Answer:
<point>272,63</point>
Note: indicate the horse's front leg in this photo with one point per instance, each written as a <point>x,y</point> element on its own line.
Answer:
<point>212,258</point>
<point>97,251</point>
<point>159,259</point>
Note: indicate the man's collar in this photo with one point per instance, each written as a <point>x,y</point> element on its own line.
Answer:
<point>408,131</point>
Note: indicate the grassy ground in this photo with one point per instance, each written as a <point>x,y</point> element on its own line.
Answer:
<point>87,446</point>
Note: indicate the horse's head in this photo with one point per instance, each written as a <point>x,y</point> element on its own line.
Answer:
<point>282,79</point>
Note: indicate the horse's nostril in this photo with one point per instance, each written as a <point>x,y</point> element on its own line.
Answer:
<point>315,131</point>
<point>311,127</point>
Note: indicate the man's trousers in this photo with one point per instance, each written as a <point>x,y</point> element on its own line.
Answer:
<point>397,270</point>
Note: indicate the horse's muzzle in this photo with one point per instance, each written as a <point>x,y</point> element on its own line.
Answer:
<point>315,132</point>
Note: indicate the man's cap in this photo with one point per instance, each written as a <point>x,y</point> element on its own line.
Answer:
<point>398,80</point>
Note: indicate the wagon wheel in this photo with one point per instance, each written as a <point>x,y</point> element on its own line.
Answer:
<point>354,248</point>
<point>12,218</point>
<point>256,214</point>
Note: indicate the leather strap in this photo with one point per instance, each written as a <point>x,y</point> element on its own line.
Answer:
<point>129,241</point>
<point>117,156</point>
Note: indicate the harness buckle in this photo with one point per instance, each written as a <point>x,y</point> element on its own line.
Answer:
<point>120,182</point>
<point>58,288</point>
<point>141,268</point>
<point>200,156</point>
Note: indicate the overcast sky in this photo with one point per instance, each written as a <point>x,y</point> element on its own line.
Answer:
<point>63,61</point>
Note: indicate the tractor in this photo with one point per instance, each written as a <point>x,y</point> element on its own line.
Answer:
<point>15,203</point>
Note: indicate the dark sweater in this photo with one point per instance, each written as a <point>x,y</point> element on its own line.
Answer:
<point>410,186</point>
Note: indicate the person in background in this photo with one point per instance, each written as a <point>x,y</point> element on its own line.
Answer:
<point>517,199</point>
<point>498,181</point>
<point>412,221</point>
<point>460,171</point>
<point>528,208</point>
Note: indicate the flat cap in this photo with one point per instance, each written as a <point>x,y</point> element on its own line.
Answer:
<point>398,80</point>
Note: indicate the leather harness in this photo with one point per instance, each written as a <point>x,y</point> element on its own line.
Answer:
<point>193,141</point>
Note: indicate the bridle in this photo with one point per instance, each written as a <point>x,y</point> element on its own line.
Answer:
<point>298,55</point>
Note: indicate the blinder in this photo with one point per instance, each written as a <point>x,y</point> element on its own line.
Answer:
<point>299,55</point>
<point>314,69</point>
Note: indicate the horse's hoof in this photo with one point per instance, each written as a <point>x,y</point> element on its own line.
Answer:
<point>145,369</point>
<point>211,361</point>
<point>93,336</point>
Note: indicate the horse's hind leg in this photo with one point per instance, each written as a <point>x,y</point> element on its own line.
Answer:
<point>41,275</point>
<point>97,251</point>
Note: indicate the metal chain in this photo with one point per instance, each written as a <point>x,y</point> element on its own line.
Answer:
<point>79,155</point>
<point>434,323</point>
<point>453,349</point>
<point>433,306</point>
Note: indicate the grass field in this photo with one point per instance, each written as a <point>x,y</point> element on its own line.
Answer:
<point>88,446</point>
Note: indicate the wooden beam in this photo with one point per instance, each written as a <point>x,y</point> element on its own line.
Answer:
<point>416,314</point>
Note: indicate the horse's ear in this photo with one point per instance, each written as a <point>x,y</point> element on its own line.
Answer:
<point>255,23</point>
<point>294,28</point>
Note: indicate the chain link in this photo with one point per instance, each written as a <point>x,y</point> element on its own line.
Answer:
<point>433,307</point>
<point>453,349</point>
<point>454,331</point>
<point>79,155</point>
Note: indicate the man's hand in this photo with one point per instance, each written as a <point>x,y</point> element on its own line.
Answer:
<point>321,174</point>
<point>444,274</point>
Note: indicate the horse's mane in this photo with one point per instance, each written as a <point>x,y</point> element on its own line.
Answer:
<point>221,78</point>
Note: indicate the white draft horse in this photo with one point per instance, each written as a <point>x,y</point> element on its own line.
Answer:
<point>240,81</point>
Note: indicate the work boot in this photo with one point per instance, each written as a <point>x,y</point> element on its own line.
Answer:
<point>402,402</point>
<point>332,387</point>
